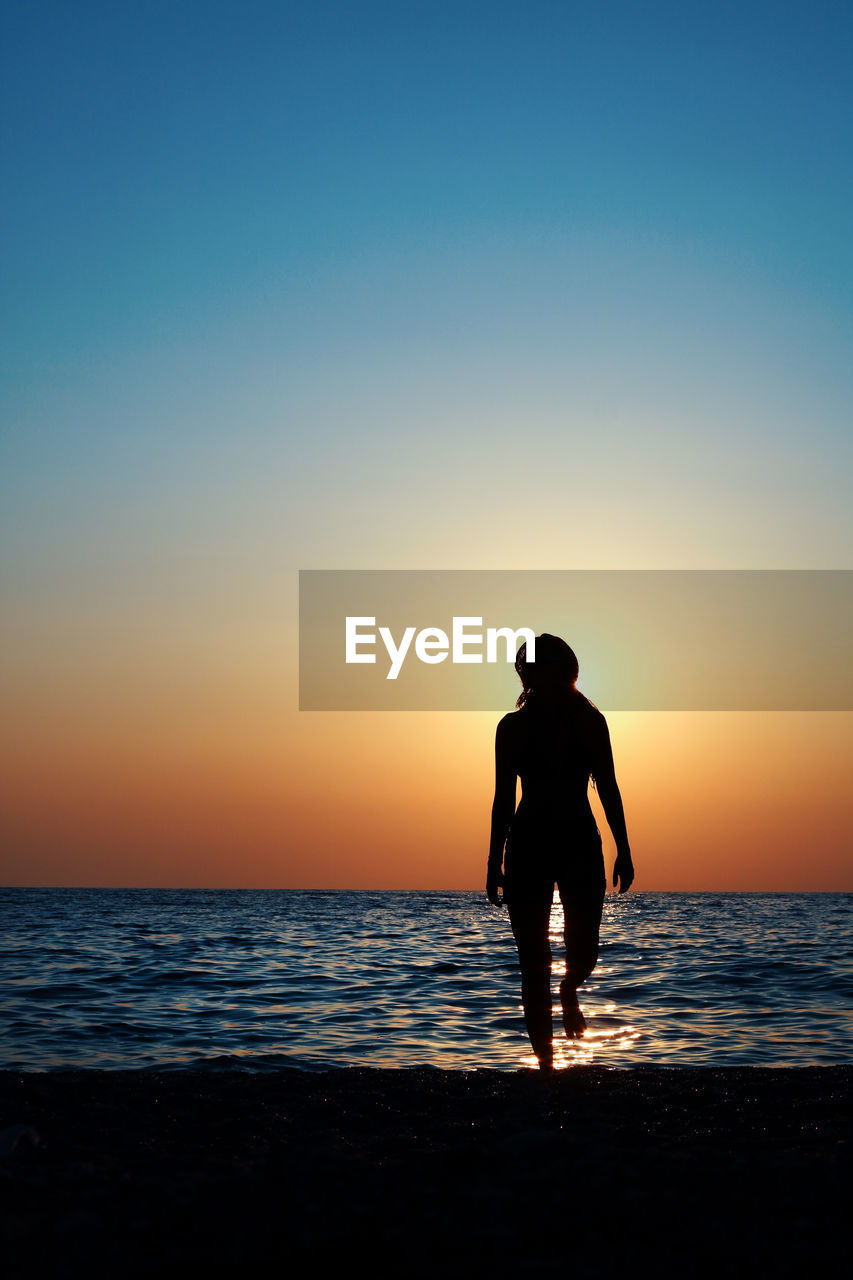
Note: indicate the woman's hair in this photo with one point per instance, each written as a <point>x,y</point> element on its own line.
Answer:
<point>554,661</point>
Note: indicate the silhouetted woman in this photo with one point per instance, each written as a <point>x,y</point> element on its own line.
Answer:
<point>554,742</point>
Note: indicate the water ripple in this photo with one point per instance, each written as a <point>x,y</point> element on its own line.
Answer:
<point>131,978</point>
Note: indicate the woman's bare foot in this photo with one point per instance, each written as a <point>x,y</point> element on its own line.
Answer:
<point>574,1022</point>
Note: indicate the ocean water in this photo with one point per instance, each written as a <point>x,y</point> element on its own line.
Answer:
<point>172,978</point>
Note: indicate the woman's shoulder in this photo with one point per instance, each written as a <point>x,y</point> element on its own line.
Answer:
<point>516,721</point>
<point>592,722</point>
<point>588,709</point>
<point>510,723</point>
<point>515,728</point>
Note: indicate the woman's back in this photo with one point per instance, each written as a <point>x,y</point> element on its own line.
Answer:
<point>555,752</point>
<point>555,748</point>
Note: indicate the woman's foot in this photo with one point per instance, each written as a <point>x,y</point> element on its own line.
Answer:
<point>574,1022</point>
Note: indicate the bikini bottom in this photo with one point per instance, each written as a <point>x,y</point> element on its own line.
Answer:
<point>538,857</point>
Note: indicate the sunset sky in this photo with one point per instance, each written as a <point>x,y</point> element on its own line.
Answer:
<point>404,286</point>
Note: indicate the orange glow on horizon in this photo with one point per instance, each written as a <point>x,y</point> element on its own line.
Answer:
<point>717,801</point>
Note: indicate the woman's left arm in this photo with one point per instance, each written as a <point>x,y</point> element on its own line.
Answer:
<point>503,808</point>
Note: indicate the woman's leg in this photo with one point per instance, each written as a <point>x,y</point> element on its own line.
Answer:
<point>530,917</point>
<point>582,907</point>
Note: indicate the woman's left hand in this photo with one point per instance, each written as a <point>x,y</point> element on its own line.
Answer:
<point>494,879</point>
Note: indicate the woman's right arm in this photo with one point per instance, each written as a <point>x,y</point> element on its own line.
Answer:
<point>610,796</point>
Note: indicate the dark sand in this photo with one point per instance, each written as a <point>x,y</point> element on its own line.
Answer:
<point>424,1172</point>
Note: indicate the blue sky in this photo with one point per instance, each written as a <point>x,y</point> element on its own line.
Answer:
<point>356,244</point>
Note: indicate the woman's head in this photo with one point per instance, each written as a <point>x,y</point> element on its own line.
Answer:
<point>554,670</point>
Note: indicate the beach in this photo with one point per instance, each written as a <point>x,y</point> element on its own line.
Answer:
<point>414,1171</point>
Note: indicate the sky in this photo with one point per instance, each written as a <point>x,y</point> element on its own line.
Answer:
<point>404,286</point>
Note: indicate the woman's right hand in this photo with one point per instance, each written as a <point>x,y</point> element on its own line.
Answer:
<point>623,872</point>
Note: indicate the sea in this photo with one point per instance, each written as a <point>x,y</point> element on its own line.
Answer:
<point>168,978</point>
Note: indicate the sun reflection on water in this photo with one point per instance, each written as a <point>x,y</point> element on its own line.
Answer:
<point>172,977</point>
<point>607,1036</point>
